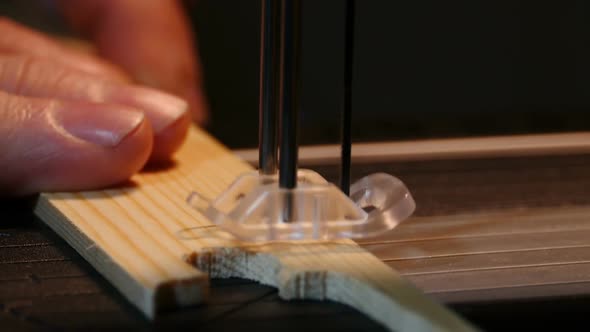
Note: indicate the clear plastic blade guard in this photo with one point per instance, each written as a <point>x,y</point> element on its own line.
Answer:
<point>254,208</point>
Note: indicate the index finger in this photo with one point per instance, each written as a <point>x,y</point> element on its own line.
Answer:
<point>151,40</point>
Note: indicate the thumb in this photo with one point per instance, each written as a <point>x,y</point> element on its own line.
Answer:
<point>50,145</point>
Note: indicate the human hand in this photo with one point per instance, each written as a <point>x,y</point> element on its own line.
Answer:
<point>71,121</point>
<point>150,40</point>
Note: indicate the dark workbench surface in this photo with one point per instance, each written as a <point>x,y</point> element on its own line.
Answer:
<point>44,284</point>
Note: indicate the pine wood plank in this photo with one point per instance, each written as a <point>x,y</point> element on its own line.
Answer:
<point>550,292</point>
<point>147,241</point>
<point>484,245</point>
<point>499,222</point>
<point>494,261</point>
<point>446,148</point>
<point>490,255</point>
<point>542,275</point>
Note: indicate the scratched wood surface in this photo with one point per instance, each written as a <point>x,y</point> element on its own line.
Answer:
<point>503,229</point>
<point>159,252</point>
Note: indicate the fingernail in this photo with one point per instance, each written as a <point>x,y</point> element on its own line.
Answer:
<point>162,109</point>
<point>95,124</point>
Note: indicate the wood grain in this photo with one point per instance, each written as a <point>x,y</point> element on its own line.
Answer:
<point>513,253</point>
<point>445,148</point>
<point>147,241</point>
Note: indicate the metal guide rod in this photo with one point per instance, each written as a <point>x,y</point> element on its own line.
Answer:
<point>345,159</point>
<point>315,209</point>
<point>290,56</point>
<point>269,102</point>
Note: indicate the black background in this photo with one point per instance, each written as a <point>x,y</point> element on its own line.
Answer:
<point>422,68</point>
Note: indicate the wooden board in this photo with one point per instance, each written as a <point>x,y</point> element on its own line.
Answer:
<point>159,252</point>
<point>445,148</point>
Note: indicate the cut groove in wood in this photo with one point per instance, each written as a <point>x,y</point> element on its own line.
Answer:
<point>159,253</point>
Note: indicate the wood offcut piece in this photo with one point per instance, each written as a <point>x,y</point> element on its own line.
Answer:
<point>159,252</point>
